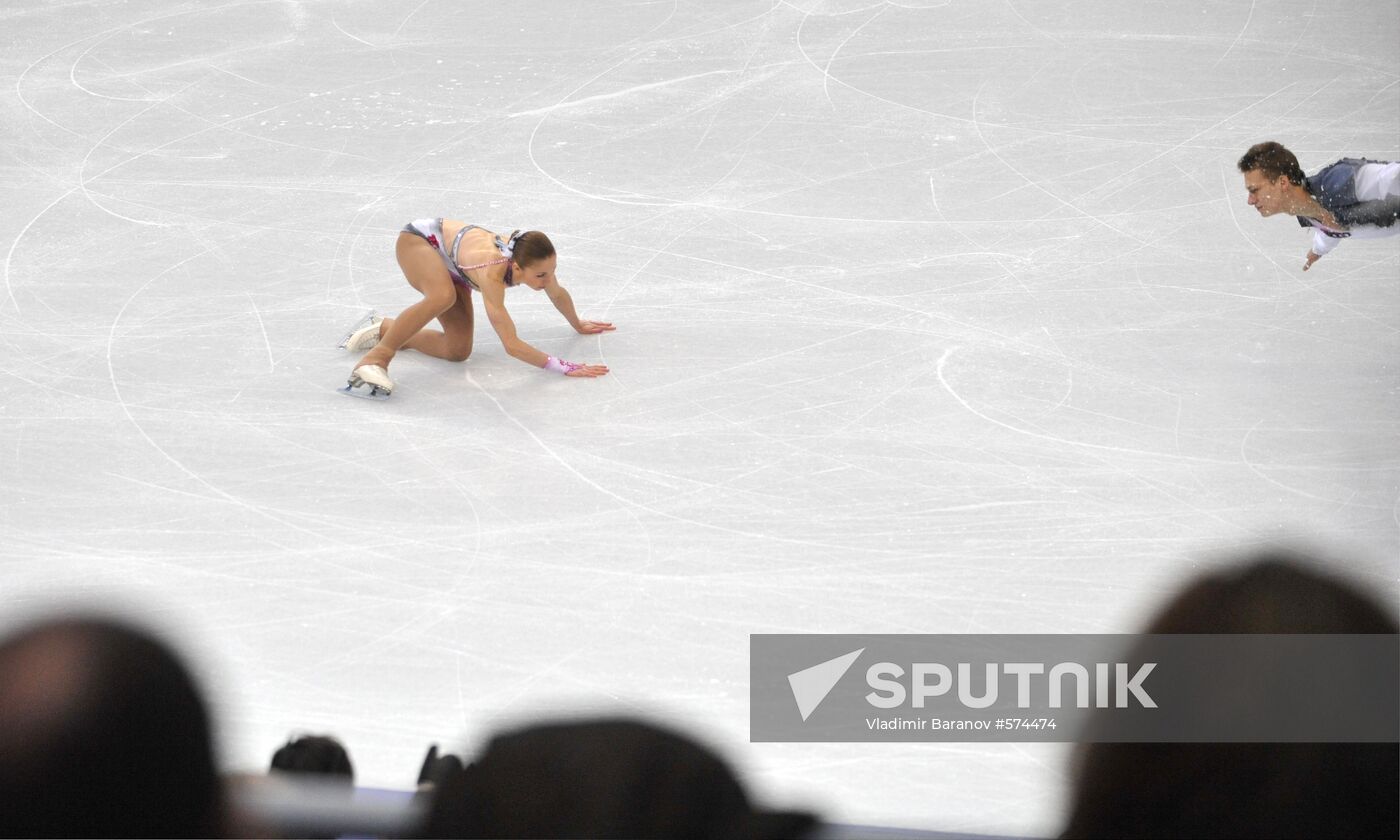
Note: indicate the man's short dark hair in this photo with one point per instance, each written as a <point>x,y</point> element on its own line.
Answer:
<point>317,755</point>
<point>1274,161</point>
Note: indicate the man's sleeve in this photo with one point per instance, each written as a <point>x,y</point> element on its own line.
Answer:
<point>1381,212</point>
<point>1377,196</point>
<point>1322,243</point>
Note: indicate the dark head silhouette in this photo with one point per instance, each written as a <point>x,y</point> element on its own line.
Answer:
<point>604,778</point>
<point>1250,790</point>
<point>315,755</point>
<point>102,733</point>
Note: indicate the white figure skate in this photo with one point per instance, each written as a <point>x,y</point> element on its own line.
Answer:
<point>364,335</point>
<point>370,382</point>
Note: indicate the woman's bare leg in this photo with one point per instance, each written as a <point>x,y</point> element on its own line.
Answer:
<point>453,342</point>
<point>425,272</point>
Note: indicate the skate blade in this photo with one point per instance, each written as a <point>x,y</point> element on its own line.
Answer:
<point>359,325</point>
<point>365,391</point>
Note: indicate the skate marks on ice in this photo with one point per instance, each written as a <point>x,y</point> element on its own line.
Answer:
<point>935,317</point>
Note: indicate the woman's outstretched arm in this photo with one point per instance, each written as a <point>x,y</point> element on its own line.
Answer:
<point>493,300</point>
<point>559,296</point>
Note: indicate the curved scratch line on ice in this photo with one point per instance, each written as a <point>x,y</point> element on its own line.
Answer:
<point>1240,35</point>
<point>212,126</point>
<point>942,363</point>
<point>1031,182</point>
<point>607,308</point>
<point>73,75</point>
<point>82,167</point>
<point>126,409</point>
<point>628,198</point>
<point>19,82</point>
<point>629,503</point>
<point>827,76</point>
<point>207,62</point>
<point>1036,29</point>
<point>9,287</point>
<point>271,362</point>
<point>564,101</point>
<point>1244,459</point>
<point>339,29</point>
<point>405,21</point>
<point>1113,183</point>
<point>826,71</point>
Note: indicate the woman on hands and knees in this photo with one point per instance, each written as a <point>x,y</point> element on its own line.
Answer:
<point>446,261</point>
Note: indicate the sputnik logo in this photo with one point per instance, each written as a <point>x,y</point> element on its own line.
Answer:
<point>811,685</point>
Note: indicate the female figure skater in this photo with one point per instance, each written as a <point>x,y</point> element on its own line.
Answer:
<point>446,260</point>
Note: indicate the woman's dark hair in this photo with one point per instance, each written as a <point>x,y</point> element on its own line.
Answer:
<point>1274,161</point>
<point>1305,790</point>
<point>318,755</point>
<point>602,778</point>
<point>531,246</point>
<point>103,733</point>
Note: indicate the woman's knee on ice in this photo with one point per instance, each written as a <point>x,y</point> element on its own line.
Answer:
<point>459,351</point>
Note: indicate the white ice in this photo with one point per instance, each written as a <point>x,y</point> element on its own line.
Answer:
<point>933,317</point>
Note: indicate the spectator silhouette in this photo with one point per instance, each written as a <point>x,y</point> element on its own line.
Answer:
<point>1254,790</point>
<point>315,755</point>
<point>103,733</point>
<point>601,778</point>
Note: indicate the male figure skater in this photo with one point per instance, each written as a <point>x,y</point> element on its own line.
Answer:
<point>1352,198</point>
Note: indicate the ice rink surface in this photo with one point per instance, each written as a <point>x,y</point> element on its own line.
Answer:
<point>933,317</point>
